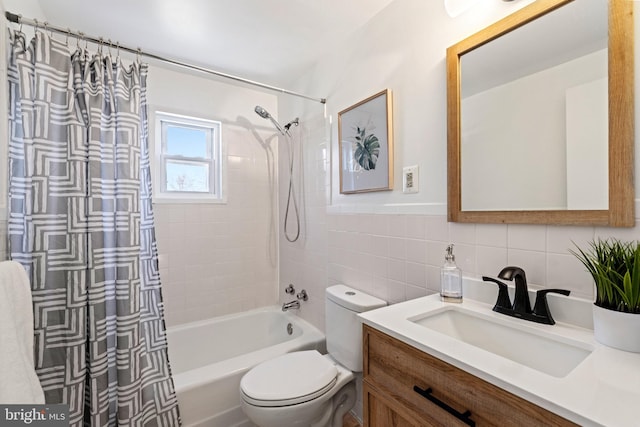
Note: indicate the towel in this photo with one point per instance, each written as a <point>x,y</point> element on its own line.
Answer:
<point>18,380</point>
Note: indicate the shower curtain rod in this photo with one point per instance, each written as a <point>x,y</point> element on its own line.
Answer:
<point>18,19</point>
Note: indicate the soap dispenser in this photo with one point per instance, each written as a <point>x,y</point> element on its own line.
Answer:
<point>450,278</point>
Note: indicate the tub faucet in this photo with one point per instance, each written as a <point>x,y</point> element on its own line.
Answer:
<point>289,305</point>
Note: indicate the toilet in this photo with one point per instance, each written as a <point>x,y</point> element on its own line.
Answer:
<point>306,388</point>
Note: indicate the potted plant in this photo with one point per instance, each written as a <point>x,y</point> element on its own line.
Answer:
<point>615,268</point>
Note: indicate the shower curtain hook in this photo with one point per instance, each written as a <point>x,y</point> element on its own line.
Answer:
<point>110,46</point>
<point>46,28</point>
<point>36,24</point>
<point>20,21</point>
<point>66,40</point>
<point>100,46</point>
<point>86,43</point>
<point>139,56</point>
<point>118,49</point>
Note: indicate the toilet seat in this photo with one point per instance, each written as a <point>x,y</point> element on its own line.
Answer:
<point>289,379</point>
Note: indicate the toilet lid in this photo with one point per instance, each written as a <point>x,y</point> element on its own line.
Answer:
<point>289,379</point>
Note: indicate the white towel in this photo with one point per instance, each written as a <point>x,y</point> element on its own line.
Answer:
<point>18,380</point>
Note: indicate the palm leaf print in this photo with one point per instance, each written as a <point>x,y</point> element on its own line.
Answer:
<point>367,149</point>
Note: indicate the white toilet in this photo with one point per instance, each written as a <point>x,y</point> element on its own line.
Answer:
<point>305,388</point>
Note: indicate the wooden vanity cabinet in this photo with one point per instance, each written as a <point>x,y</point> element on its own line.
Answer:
<point>445,396</point>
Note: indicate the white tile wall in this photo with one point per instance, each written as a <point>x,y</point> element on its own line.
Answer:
<point>372,257</point>
<point>217,259</point>
<point>398,256</point>
<point>305,262</point>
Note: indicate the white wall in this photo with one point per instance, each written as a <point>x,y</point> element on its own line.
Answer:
<point>587,157</point>
<point>506,149</point>
<point>389,243</point>
<point>392,244</point>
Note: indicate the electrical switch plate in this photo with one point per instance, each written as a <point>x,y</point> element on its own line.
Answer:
<point>410,179</point>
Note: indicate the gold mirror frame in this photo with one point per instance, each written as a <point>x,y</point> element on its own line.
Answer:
<point>621,123</point>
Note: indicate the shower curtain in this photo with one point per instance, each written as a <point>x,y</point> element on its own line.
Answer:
<point>81,224</point>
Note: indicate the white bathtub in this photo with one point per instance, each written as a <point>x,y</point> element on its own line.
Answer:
<point>208,358</point>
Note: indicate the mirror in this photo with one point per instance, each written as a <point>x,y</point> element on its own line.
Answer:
<point>540,117</point>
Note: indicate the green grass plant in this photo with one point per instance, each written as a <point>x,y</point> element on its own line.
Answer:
<point>615,268</point>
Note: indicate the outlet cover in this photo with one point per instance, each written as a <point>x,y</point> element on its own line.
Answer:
<point>410,179</point>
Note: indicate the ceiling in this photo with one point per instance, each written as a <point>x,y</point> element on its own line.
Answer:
<point>271,41</point>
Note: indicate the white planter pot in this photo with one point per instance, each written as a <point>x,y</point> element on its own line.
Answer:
<point>617,329</point>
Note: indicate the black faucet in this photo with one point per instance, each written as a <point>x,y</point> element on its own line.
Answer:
<point>521,306</point>
<point>521,300</point>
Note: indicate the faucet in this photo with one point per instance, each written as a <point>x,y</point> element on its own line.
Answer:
<point>521,307</point>
<point>521,302</point>
<point>289,305</point>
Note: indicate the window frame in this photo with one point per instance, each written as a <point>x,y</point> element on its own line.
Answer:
<point>215,160</point>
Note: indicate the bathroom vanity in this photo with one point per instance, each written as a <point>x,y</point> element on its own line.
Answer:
<point>405,386</point>
<point>432,363</point>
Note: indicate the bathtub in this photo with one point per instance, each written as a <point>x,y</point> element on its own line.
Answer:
<point>208,358</point>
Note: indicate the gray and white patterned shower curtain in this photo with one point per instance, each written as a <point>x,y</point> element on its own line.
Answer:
<point>81,224</point>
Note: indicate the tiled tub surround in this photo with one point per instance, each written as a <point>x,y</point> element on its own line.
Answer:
<point>217,259</point>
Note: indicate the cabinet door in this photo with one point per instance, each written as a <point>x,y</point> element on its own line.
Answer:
<point>378,411</point>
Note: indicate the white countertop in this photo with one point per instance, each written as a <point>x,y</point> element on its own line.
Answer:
<point>603,390</point>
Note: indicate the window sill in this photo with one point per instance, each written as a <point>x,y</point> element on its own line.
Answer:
<point>188,200</point>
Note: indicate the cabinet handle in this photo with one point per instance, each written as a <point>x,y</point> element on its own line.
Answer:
<point>465,417</point>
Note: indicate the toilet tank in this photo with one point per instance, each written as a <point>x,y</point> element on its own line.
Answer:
<point>343,327</point>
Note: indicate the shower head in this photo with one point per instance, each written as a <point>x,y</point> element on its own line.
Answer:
<point>265,115</point>
<point>262,112</point>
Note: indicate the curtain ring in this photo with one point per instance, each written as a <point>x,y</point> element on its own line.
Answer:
<point>46,28</point>
<point>81,38</point>
<point>36,24</point>
<point>66,40</point>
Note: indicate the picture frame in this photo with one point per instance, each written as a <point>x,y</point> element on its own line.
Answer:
<point>365,137</point>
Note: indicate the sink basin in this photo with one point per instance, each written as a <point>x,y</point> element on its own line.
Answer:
<point>530,348</point>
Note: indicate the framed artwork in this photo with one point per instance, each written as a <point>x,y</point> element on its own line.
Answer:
<point>365,135</point>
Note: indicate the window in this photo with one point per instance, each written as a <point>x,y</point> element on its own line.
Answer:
<point>188,159</point>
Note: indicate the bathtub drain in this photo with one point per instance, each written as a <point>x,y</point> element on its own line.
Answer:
<point>289,328</point>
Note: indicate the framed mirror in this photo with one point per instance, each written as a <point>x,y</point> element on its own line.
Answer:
<point>541,117</point>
